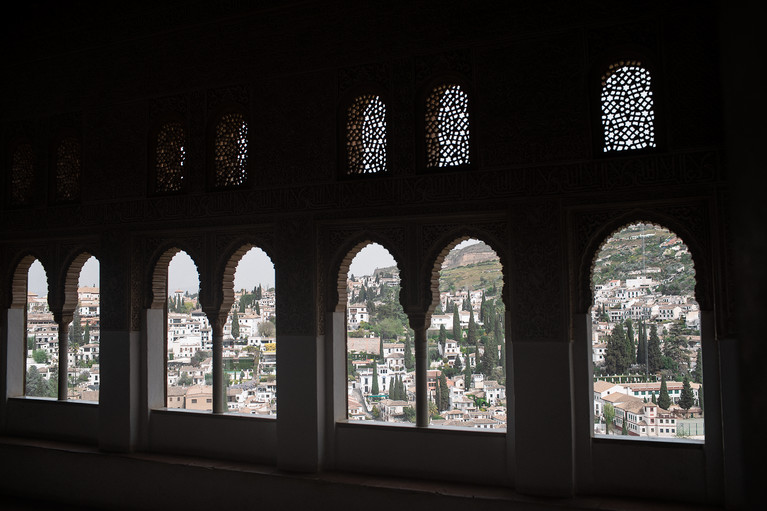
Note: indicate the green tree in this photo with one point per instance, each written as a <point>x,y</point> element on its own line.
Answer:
<point>631,354</point>
<point>235,325</point>
<point>697,372</point>
<point>442,336</point>
<point>87,333</point>
<point>664,401</point>
<point>467,374</point>
<point>40,356</point>
<point>609,413</point>
<point>374,387</point>
<point>38,386</point>
<point>641,353</point>
<point>686,398</point>
<point>409,359</point>
<point>616,353</point>
<point>443,403</point>
<point>654,355</point>
<point>457,332</point>
<point>76,329</point>
<point>185,379</point>
<point>625,428</point>
<point>471,333</point>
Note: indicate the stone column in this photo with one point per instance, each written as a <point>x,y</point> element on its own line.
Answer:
<point>63,325</point>
<point>418,323</point>
<point>217,321</point>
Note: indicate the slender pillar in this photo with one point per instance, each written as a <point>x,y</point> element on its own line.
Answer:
<point>418,324</point>
<point>63,325</point>
<point>219,389</point>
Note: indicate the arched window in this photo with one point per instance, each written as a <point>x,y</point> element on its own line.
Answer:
<point>230,151</point>
<point>68,169</point>
<point>189,341</point>
<point>22,174</point>
<point>469,357</point>
<point>366,135</point>
<point>447,127</point>
<point>84,334</point>
<point>628,116</point>
<point>380,352</point>
<point>646,337</point>
<point>250,336</point>
<point>42,344</point>
<point>170,155</point>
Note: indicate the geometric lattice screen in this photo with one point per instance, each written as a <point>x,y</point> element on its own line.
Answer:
<point>231,151</point>
<point>22,174</point>
<point>628,117</point>
<point>447,127</point>
<point>366,135</point>
<point>68,169</point>
<point>169,158</point>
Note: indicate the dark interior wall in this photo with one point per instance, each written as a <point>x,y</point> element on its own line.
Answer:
<point>539,185</point>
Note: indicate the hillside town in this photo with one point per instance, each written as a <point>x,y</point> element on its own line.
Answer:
<point>466,381</point>
<point>250,354</point>
<point>646,345</point>
<point>42,362</point>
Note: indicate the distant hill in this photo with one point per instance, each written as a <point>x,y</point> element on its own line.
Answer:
<point>475,267</point>
<point>472,254</point>
<point>646,249</point>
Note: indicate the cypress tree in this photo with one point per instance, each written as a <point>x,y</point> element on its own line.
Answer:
<point>686,398</point>
<point>641,357</point>
<point>374,388</point>
<point>697,373</point>
<point>654,355</point>
<point>630,346</point>
<point>409,360</point>
<point>467,374</point>
<point>471,334</point>
<point>457,332</point>
<point>442,336</point>
<point>444,394</point>
<point>235,326</point>
<point>664,401</point>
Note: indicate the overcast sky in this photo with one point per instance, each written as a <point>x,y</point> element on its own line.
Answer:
<point>255,268</point>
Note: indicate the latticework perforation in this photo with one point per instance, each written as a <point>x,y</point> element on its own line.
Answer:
<point>366,135</point>
<point>22,174</point>
<point>231,151</point>
<point>169,157</point>
<point>627,107</point>
<point>447,127</point>
<point>68,169</point>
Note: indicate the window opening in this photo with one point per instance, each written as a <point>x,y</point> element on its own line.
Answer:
<point>170,155</point>
<point>231,151</point>
<point>467,347</point>
<point>379,344</point>
<point>189,341</point>
<point>447,127</point>
<point>366,135</point>
<point>627,107</point>
<point>42,338</point>
<point>250,338</point>
<point>646,345</point>
<point>84,371</point>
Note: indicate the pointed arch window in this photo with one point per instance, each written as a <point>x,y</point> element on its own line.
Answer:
<point>68,169</point>
<point>447,127</point>
<point>366,135</point>
<point>628,115</point>
<point>231,151</point>
<point>170,156</point>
